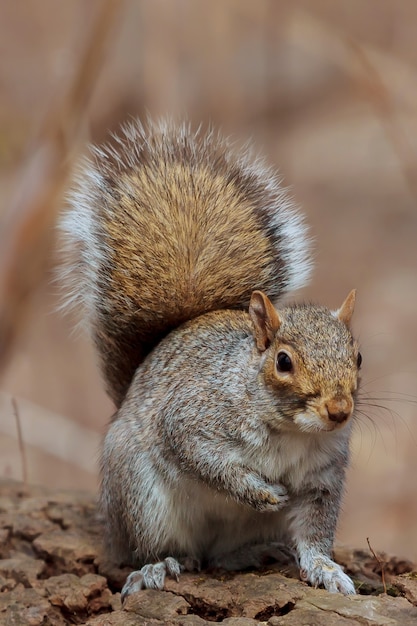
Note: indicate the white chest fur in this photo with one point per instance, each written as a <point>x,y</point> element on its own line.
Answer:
<point>292,457</point>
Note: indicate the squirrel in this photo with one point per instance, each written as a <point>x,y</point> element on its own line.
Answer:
<point>234,412</point>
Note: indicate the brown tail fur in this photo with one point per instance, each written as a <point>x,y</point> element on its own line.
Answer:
<point>168,224</point>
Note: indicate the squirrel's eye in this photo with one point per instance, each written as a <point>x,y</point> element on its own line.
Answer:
<point>284,363</point>
<point>359,360</point>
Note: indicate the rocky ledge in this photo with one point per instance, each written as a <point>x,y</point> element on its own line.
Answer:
<point>52,573</point>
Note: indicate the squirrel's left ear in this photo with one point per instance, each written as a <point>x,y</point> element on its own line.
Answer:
<point>344,314</point>
<point>265,319</point>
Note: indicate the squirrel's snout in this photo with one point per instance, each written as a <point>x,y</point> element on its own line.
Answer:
<point>339,417</point>
<point>339,409</point>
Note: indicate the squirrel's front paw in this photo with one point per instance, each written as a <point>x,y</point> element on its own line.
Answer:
<point>271,498</point>
<point>320,570</point>
<point>151,576</point>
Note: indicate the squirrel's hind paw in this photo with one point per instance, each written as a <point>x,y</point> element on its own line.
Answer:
<point>151,576</point>
<point>324,571</point>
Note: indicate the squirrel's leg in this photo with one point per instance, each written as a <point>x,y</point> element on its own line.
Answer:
<point>313,525</point>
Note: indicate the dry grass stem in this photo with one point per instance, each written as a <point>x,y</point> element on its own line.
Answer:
<point>356,61</point>
<point>376,92</point>
<point>21,442</point>
<point>25,235</point>
<point>380,563</point>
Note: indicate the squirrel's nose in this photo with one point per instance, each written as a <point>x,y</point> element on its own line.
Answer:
<point>339,409</point>
<point>339,417</point>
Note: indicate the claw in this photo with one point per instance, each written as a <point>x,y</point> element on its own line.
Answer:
<point>134,583</point>
<point>151,576</point>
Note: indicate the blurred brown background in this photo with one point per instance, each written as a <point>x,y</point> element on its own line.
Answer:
<point>328,91</point>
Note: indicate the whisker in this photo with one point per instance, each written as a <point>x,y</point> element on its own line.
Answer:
<point>373,430</point>
<point>368,401</point>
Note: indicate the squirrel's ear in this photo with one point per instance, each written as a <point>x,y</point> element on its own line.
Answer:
<point>344,314</point>
<point>265,319</point>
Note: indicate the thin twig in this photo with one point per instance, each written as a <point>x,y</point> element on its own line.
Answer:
<point>20,441</point>
<point>380,563</point>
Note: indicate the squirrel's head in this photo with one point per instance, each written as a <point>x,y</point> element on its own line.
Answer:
<point>311,359</point>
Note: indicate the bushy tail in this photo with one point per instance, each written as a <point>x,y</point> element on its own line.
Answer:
<point>166,224</point>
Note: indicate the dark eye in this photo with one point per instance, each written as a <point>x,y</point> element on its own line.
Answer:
<point>359,360</point>
<point>284,363</point>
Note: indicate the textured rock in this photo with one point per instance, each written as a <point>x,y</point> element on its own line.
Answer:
<point>29,527</point>
<point>52,573</point>
<point>22,569</point>
<point>311,617</point>
<point>407,585</point>
<point>88,594</point>
<point>246,595</point>
<point>71,550</point>
<point>150,604</point>
<point>26,607</point>
<point>368,610</point>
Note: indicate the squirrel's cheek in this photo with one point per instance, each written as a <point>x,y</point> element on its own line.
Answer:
<point>268,372</point>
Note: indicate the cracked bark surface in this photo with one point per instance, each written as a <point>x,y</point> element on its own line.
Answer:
<point>52,572</point>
